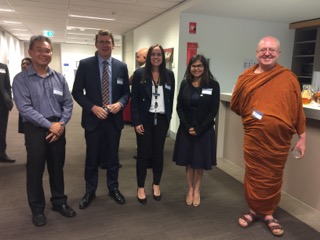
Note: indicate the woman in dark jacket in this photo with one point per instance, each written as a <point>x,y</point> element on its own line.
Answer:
<point>197,106</point>
<point>151,110</point>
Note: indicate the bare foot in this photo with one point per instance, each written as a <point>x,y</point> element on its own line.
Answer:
<point>247,219</point>
<point>273,225</point>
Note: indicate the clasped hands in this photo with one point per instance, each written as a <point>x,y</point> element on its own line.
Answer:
<point>55,131</point>
<point>101,113</point>
<point>192,131</point>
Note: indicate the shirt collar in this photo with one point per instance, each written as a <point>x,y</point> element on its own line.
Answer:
<point>101,60</point>
<point>31,71</point>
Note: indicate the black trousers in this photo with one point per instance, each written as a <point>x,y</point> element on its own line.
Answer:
<point>40,152</point>
<point>4,115</point>
<point>106,136</point>
<point>150,146</point>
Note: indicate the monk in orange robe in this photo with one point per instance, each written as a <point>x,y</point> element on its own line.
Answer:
<point>267,96</point>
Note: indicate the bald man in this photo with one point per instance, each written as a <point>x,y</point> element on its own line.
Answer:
<point>141,56</point>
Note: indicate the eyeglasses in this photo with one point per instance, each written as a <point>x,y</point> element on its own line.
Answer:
<point>270,50</point>
<point>42,51</point>
<point>156,55</point>
<point>104,42</point>
<point>197,66</point>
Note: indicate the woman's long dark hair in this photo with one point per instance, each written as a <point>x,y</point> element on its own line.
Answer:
<point>162,68</point>
<point>206,70</point>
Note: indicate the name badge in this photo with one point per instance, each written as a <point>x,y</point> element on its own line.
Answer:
<point>2,70</point>
<point>207,91</point>
<point>57,92</point>
<point>120,81</point>
<point>257,114</point>
<point>167,86</point>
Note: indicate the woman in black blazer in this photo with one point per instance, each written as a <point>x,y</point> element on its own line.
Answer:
<point>151,110</point>
<point>197,106</point>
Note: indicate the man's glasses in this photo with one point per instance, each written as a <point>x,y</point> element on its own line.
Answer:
<point>39,51</point>
<point>104,42</point>
<point>270,50</point>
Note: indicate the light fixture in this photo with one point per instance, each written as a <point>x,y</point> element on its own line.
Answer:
<point>22,34</point>
<point>20,30</point>
<point>89,17</point>
<point>11,22</point>
<point>73,28</point>
<point>6,10</point>
<point>81,34</point>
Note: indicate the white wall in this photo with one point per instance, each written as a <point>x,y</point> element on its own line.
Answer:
<point>72,53</point>
<point>227,42</point>
<point>11,53</point>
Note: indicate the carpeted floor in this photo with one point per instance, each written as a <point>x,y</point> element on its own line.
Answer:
<point>222,201</point>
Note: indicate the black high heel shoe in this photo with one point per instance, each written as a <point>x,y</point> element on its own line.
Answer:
<point>155,197</point>
<point>143,201</point>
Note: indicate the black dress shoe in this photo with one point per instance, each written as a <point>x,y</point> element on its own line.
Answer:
<point>64,210</point>
<point>143,201</point>
<point>117,196</point>
<point>155,197</point>
<point>39,220</point>
<point>86,200</point>
<point>6,159</point>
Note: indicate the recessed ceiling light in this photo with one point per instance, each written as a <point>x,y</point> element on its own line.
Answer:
<point>81,34</point>
<point>22,34</point>
<point>81,38</point>
<point>12,22</point>
<point>70,28</point>
<point>89,17</point>
<point>6,10</point>
<point>21,30</point>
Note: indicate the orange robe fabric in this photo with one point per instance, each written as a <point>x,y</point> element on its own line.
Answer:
<point>276,95</point>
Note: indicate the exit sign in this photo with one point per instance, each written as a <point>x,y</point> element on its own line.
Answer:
<point>48,33</point>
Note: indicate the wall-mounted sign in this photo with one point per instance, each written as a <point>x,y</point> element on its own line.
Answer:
<point>192,27</point>
<point>192,49</point>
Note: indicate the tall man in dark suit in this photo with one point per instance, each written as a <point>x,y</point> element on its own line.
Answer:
<point>102,113</point>
<point>6,105</point>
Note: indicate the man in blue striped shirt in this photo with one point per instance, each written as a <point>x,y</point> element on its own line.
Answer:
<point>44,101</point>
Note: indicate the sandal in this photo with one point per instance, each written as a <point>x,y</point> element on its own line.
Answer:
<point>254,218</point>
<point>274,227</point>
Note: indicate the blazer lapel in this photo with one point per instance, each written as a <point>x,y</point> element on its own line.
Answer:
<point>113,72</point>
<point>97,71</point>
<point>149,89</point>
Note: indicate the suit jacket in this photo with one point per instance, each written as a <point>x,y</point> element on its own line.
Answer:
<point>5,88</point>
<point>87,90</point>
<point>142,93</point>
<point>207,108</point>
